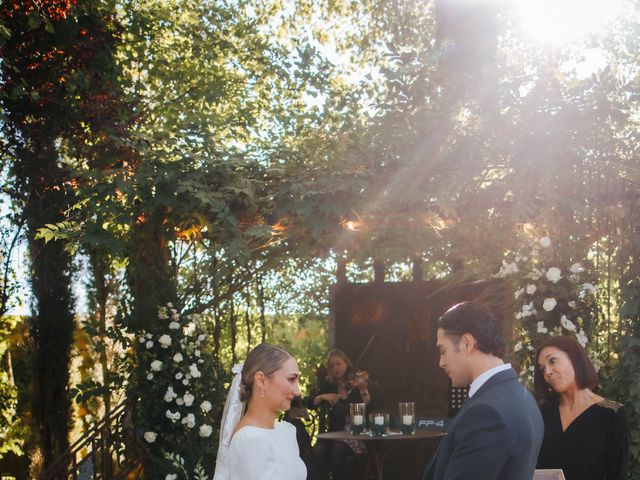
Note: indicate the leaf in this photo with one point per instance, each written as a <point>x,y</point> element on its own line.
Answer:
<point>34,21</point>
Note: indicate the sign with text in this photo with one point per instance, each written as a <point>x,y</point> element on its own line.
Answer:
<point>433,423</point>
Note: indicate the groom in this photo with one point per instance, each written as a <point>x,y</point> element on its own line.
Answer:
<point>498,431</point>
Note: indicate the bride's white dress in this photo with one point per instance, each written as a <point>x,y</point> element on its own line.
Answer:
<point>265,454</point>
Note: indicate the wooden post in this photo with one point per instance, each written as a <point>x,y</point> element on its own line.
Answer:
<point>341,271</point>
<point>378,271</point>
<point>417,268</point>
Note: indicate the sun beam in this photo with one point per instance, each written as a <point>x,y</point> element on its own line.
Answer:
<point>563,21</point>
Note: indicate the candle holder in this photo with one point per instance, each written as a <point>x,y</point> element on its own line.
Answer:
<point>379,424</point>
<point>407,417</point>
<point>356,418</point>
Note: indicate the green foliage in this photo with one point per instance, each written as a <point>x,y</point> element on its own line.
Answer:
<point>622,382</point>
<point>11,428</point>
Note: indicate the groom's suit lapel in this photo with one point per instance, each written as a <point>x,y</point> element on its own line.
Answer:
<point>500,377</point>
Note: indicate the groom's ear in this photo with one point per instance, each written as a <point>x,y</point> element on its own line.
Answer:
<point>468,342</point>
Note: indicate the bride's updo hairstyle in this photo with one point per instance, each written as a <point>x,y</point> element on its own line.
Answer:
<point>265,358</point>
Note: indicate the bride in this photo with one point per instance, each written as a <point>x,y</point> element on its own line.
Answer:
<point>254,446</point>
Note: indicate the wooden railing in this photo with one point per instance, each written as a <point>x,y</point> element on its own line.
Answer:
<point>104,452</point>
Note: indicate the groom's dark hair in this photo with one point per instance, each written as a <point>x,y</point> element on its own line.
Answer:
<point>477,320</point>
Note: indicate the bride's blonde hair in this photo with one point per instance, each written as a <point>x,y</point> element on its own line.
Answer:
<point>265,358</point>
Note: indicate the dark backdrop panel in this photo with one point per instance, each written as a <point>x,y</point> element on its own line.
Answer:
<point>389,329</point>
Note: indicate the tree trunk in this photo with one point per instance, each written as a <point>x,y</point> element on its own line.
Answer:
<point>53,322</point>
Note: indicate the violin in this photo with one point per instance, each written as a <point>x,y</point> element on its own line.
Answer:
<point>359,378</point>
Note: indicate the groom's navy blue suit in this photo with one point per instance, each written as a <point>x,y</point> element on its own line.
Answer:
<point>495,435</point>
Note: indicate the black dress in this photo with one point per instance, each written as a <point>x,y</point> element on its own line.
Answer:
<point>338,457</point>
<point>337,414</point>
<point>594,446</point>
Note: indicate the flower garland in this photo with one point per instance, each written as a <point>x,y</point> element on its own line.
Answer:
<point>550,298</point>
<point>177,375</point>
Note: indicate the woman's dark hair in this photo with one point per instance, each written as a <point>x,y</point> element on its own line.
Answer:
<point>265,358</point>
<point>477,320</point>
<point>586,376</point>
<point>336,352</point>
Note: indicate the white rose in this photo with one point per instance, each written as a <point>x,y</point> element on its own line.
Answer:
<point>589,288</point>
<point>531,289</point>
<point>205,431</point>
<point>156,365</point>
<point>174,325</point>
<point>540,328</point>
<point>180,402</point>
<point>165,340</point>
<point>171,476</point>
<point>185,382</point>
<point>517,347</point>
<point>201,337</point>
<point>142,339</point>
<point>150,376</point>
<point>189,420</point>
<point>205,406</point>
<point>149,344</point>
<point>545,242</point>
<point>190,329</point>
<point>170,395</point>
<point>172,416</point>
<point>553,274</point>
<point>581,337</point>
<point>549,304</point>
<point>150,437</point>
<point>177,357</point>
<point>576,268</point>
<point>567,324</point>
<point>193,370</point>
<point>188,399</point>
<point>178,375</point>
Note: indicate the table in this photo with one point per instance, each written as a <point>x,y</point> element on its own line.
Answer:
<point>380,447</point>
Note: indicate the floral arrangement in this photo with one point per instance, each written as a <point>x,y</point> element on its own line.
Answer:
<point>551,298</point>
<point>177,415</point>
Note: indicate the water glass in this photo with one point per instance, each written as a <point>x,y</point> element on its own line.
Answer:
<point>356,418</point>
<point>407,417</point>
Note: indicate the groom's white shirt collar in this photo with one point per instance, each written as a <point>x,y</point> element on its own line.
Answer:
<point>483,377</point>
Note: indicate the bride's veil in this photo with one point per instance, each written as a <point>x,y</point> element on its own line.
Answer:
<point>233,409</point>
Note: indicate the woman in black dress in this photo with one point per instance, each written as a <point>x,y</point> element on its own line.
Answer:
<point>585,435</point>
<point>343,385</point>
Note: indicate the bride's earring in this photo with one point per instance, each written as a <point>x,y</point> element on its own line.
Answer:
<point>262,392</point>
